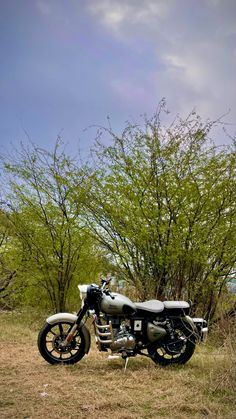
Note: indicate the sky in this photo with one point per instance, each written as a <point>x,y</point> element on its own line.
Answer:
<point>67,65</point>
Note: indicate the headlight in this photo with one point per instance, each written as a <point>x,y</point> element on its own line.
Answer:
<point>83,291</point>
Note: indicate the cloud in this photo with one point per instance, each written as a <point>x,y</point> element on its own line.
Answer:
<point>43,7</point>
<point>118,15</point>
<point>201,76</point>
<point>194,45</point>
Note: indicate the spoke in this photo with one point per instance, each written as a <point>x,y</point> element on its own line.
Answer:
<point>76,348</point>
<point>53,333</point>
<point>61,328</point>
<point>53,349</point>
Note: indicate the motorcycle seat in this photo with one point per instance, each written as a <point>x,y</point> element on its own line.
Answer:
<point>153,306</point>
<point>175,304</point>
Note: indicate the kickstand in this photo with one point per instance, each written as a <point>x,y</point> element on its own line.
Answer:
<point>126,359</point>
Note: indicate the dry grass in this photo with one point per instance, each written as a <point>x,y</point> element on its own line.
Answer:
<point>98,388</point>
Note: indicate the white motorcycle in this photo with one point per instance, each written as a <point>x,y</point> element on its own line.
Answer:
<point>162,331</point>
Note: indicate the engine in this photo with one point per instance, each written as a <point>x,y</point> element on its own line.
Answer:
<point>114,335</point>
<point>123,341</point>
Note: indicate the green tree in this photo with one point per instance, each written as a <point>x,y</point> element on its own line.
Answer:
<point>163,206</point>
<point>7,273</point>
<point>47,221</point>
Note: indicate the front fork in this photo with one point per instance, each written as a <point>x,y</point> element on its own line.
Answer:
<point>80,315</point>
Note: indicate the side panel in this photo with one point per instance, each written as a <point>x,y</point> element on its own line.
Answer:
<point>68,317</point>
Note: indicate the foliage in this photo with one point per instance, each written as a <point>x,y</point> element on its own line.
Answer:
<point>157,207</point>
<point>47,222</point>
<point>163,205</point>
<point>7,273</point>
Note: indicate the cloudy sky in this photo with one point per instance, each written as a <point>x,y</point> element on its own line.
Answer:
<point>68,64</point>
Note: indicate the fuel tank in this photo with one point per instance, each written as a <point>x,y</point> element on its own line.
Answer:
<point>117,304</point>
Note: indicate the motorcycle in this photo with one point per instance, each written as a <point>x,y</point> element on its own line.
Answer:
<point>161,331</point>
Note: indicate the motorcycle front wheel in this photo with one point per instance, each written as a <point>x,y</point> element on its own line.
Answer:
<point>176,351</point>
<point>49,343</point>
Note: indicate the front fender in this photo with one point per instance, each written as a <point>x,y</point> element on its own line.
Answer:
<point>62,317</point>
<point>68,317</point>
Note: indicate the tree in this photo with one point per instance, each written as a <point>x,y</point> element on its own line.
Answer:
<point>7,274</point>
<point>163,205</point>
<point>46,221</point>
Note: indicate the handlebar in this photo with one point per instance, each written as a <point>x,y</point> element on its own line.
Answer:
<point>105,282</point>
<point>107,292</point>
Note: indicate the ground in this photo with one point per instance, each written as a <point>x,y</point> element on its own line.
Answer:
<point>98,388</point>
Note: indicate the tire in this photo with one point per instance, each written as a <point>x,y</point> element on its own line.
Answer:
<point>177,352</point>
<point>49,339</point>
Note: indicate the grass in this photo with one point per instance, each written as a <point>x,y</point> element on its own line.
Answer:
<point>98,388</point>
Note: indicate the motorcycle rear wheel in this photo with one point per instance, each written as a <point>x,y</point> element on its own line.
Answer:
<point>177,352</point>
<point>50,338</point>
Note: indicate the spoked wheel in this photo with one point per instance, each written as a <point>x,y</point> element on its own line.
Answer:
<point>50,346</point>
<point>176,351</point>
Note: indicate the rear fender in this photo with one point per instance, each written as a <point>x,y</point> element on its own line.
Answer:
<point>68,317</point>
